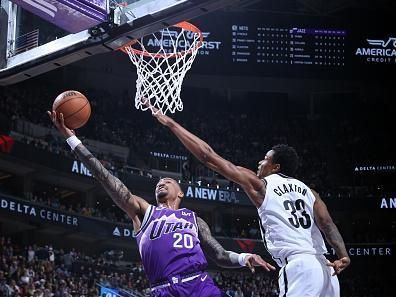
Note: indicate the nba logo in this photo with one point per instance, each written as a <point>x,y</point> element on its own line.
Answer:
<point>175,280</point>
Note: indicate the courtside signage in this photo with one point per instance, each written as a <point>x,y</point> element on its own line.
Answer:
<point>41,213</point>
<point>375,168</point>
<point>212,194</point>
<point>388,203</point>
<point>366,251</point>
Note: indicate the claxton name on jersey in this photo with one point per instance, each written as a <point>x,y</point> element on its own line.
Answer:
<point>289,188</point>
<point>161,227</point>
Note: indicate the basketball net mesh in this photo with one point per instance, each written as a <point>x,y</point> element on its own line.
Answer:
<point>161,73</point>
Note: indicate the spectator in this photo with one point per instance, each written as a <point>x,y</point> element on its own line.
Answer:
<point>30,254</point>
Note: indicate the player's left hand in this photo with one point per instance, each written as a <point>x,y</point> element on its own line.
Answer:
<point>255,260</point>
<point>340,264</point>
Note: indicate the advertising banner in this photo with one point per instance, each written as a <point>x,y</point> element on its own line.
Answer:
<point>71,15</point>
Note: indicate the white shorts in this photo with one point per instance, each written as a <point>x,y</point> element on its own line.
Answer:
<point>308,276</point>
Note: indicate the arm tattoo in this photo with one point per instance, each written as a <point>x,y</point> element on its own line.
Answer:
<point>113,186</point>
<point>334,238</point>
<point>212,247</point>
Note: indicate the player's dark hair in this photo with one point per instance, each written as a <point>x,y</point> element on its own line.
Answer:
<point>286,156</point>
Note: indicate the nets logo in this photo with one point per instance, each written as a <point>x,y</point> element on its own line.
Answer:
<point>380,51</point>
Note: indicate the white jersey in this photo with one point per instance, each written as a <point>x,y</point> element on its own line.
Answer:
<point>288,219</point>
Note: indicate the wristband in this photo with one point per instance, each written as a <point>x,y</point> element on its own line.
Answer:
<point>73,141</point>
<point>241,258</point>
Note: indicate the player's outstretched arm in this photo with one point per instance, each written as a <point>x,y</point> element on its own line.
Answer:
<point>227,259</point>
<point>119,193</point>
<point>251,184</point>
<point>333,236</point>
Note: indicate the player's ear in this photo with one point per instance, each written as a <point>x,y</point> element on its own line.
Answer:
<point>180,195</point>
<point>276,168</point>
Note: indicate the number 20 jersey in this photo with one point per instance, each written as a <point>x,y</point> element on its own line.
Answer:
<point>168,243</point>
<point>288,219</point>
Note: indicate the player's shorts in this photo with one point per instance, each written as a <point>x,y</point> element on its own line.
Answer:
<point>308,276</point>
<point>195,285</point>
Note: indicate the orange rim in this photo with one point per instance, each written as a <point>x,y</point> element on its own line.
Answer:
<point>184,25</point>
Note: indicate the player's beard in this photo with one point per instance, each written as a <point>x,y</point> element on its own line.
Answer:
<point>162,196</point>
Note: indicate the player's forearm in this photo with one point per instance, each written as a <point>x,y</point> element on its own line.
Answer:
<point>199,148</point>
<point>214,250</point>
<point>118,192</point>
<point>223,258</point>
<point>334,238</point>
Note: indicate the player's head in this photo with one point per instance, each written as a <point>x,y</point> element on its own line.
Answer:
<point>280,159</point>
<point>168,190</point>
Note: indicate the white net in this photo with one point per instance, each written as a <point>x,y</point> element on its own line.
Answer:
<point>162,60</point>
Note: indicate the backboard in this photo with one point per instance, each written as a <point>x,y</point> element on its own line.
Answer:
<point>37,36</point>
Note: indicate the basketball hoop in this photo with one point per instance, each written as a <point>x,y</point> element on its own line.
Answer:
<point>162,60</point>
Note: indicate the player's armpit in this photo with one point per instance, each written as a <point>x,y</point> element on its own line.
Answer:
<point>119,193</point>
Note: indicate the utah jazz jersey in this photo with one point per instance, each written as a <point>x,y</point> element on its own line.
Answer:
<point>288,219</point>
<point>168,243</point>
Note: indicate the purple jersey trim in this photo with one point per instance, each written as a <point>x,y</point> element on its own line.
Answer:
<point>146,219</point>
<point>196,223</point>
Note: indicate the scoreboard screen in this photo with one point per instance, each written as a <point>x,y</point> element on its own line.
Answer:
<point>256,44</point>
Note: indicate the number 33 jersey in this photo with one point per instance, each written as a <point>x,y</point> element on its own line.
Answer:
<point>287,218</point>
<point>168,243</point>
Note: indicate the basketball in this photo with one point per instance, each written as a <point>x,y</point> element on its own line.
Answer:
<point>75,108</point>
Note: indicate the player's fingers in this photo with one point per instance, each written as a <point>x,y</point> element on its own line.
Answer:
<point>250,264</point>
<point>270,267</point>
<point>61,119</point>
<point>260,262</point>
<point>51,116</point>
<point>336,270</point>
<point>331,264</point>
<point>54,117</point>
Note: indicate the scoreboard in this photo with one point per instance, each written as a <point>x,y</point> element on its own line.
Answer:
<point>298,46</point>
<point>292,46</point>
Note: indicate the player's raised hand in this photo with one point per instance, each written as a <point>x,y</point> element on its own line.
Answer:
<point>163,119</point>
<point>340,264</point>
<point>255,260</point>
<point>59,122</point>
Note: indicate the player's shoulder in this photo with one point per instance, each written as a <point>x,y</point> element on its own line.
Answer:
<point>186,210</point>
<point>277,177</point>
